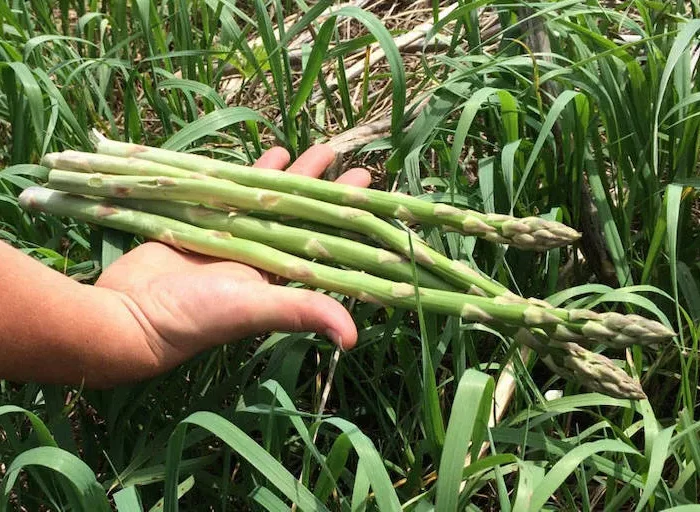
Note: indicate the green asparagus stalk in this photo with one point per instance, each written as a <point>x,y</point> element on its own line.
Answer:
<point>458,274</point>
<point>567,359</point>
<point>611,329</point>
<point>293,240</point>
<point>573,362</point>
<point>384,264</point>
<point>616,382</point>
<point>314,245</point>
<point>224,245</point>
<point>228,195</point>
<point>530,233</point>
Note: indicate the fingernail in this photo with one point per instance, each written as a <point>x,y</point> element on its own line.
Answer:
<point>335,338</point>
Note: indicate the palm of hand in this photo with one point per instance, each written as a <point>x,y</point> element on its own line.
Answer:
<point>187,302</point>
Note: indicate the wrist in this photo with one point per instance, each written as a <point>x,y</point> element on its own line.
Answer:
<point>120,347</point>
<point>55,330</point>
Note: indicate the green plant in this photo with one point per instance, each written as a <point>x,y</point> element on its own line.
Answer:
<point>598,131</point>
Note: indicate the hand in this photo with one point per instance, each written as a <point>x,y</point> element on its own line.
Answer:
<point>186,303</point>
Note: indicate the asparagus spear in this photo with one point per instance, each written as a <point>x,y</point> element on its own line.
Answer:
<point>531,233</point>
<point>573,362</point>
<point>616,383</point>
<point>354,254</point>
<point>460,275</point>
<point>567,359</point>
<point>559,361</point>
<point>224,245</point>
<point>612,329</point>
<point>297,241</point>
<point>314,245</point>
<point>230,196</point>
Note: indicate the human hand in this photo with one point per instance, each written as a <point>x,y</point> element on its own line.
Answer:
<point>186,303</point>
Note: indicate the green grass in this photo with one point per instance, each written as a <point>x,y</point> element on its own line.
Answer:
<point>238,427</point>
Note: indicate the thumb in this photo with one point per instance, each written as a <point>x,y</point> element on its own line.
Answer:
<point>280,308</point>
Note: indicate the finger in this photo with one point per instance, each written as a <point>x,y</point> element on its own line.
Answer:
<point>357,177</point>
<point>273,158</point>
<point>313,161</point>
<point>268,308</point>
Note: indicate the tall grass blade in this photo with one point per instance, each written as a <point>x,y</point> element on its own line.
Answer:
<point>242,444</point>
<point>468,420</point>
<point>80,484</point>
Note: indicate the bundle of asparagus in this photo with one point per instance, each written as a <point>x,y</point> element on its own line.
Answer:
<point>196,203</point>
